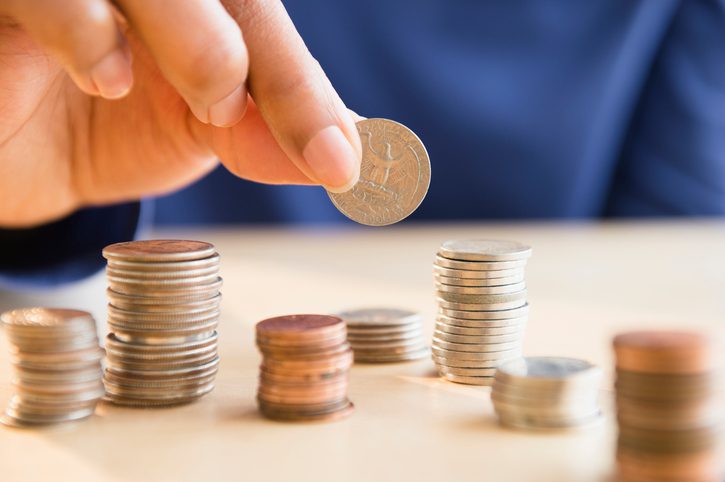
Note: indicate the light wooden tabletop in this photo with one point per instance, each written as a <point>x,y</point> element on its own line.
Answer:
<point>586,282</point>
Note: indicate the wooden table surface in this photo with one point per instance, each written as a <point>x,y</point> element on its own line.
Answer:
<point>586,282</point>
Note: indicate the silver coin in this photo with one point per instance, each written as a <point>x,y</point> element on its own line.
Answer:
<point>481,307</point>
<point>159,250</point>
<point>476,347</point>
<point>192,291</point>
<point>477,339</point>
<point>466,372</point>
<point>473,282</point>
<point>546,394</point>
<point>394,175</point>
<point>483,299</point>
<point>481,290</point>
<point>470,364</point>
<point>548,371</point>
<point>479,265</point>
<point>529,422</point>
<point>484,250</point>
<point>172,266</point>
<point>161,276</point>
<point>385,333</point>
<point>477,274</point>
<point>490,315</point>
<point>485,331</point>
<point>499,356</point>
<point>379,317</point>
<point>571,408</point>
<point>482,381</point>
<point>145,317</point>
<point>160,283</point>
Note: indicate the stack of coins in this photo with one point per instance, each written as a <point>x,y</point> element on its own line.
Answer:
<point>667,407</point>
<point>57,366</point>
<point>305,364</point>
<point>482,308</point>
<point>162,315</point>
<point>385,335</point>
<point>546,393</point>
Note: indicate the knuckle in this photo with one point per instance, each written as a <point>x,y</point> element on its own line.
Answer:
<point>215,64</point>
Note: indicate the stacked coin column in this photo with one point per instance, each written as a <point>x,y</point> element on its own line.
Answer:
<point>163,313</point>
<point>305,364</point>
<point>385,335</point>
<point>547,392</point>
<point>57,366</point>
<point>667,407</point>
<point>482,308</point>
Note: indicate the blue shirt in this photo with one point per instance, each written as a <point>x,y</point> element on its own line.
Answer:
<point>528,109</point>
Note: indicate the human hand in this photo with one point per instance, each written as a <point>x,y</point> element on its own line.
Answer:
<point>101,105</point>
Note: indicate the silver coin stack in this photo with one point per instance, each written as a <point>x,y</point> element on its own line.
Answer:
<point>163,313</point>
<point>546,393</point>
<point>57,366</point>
<point>482,308</point>
<point>385,335</point>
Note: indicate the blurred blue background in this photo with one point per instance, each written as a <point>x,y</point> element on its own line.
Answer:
<point>528,109</point>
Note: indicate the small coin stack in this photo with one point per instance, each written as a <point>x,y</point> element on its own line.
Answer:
<point>385,335</point>
<point>305,364</point>
<point>546,393</point>
<point>57,365</point>
<point>668,407</point>
<point>482,308</point>
<point>162,315</point>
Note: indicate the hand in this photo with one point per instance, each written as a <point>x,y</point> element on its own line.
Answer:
<point>99,105</point>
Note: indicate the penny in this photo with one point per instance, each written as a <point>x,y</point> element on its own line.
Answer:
<point>394,175</point>
<point>159,250</point>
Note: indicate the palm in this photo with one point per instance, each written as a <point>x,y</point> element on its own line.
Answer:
<point>61,149</point>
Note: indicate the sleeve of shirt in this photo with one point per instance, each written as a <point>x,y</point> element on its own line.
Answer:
<point>673,162</point>
<point>66,250</point>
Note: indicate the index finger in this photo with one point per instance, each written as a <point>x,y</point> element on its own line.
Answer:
<point>304,113</point>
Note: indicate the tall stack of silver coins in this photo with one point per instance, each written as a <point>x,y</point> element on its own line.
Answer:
<point>163,313</point>
<point>385,335</point>
<point>57,366</point>
<point>482,308</point>
<point>547,393</point>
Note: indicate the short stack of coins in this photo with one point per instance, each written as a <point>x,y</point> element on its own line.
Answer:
<point>668,407</point>
<point>305,365</point>
<point>546,393</point>
<point>482,308</point>
<point>163,313</point>
<point>57,366</point>
<point>385,335</point>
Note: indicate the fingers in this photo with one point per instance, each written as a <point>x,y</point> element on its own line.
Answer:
<point>83,36</point>
<point>303,111</point>
<point>200,50</point>
<point>250,151</point>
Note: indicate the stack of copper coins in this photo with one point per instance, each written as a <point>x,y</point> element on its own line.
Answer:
<point>305,364</point>
<point>164,307</point>
<point>667,407</point>
<point>57,365</point>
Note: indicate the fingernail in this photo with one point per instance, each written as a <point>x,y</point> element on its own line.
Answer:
<point>112,75</point>
<point>332,160</point>
<point>230,109</point>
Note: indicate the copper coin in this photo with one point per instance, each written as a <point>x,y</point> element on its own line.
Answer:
<point>301,326</point>
<point>159,250</point>
<point>700,466</point>
<point>663,352</point>
<point>326,416</point>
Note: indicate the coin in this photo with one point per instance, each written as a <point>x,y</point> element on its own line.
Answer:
<point>482,290</point>
<point>493,331</point>
<point>490,275</point>
<point>479,265</point>
<point>384,335</point>
<point>485,315</point>
<point>56,364</point>
<point>305,362</point>
<point>663,352</point>
<point>484,250</point>
<point>162,315</point>
<point>480,307</point>
<point>394,175</point>
<point>478,282</point>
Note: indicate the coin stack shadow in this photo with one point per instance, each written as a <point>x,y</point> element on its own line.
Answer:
<point>57,366</point>
<point>546,393</point>
<point>163,313</point>
<point>385,335</point>
<point>668,407</point>
<point>305,365</point>
<point>482,308</point>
